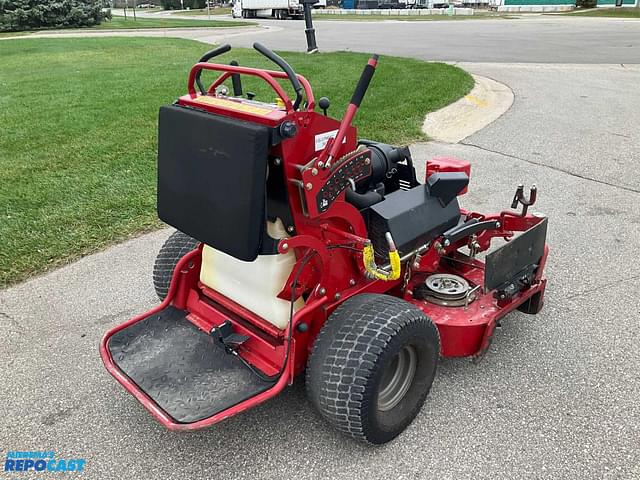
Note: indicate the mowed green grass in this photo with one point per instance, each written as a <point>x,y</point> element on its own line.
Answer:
<point>120,23</point>
<point>13,34</point>
<point>78,121</point>
<point>624,12</point>
<point>129,23</point>
<point>204,11</point>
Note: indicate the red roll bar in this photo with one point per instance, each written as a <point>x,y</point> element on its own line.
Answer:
<point>269,76</point>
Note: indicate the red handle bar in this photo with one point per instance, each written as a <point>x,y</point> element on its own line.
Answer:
<point>268,76</point>
<point>333,145</point>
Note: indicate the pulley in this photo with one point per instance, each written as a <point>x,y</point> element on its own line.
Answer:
<point>445,289</point>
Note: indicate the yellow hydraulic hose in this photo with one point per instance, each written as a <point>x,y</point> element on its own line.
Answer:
<point>369,261</point>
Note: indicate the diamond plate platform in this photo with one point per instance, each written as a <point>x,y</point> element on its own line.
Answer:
<point>181,368</point>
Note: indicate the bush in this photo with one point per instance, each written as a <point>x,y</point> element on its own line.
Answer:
<point>586,3</point>
<point>17,15</point>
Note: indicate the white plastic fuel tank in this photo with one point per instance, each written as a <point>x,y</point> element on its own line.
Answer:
<point>254,285</point>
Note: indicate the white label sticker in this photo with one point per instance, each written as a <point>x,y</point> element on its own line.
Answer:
<point>323,138</point>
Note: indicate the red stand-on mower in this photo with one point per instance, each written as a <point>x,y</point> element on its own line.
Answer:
<point>301,247</point>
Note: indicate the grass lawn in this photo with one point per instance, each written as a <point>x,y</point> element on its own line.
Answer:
<point>203,11</point>
<point>120,22</point>
<point>625,12</point>
<point>13,34</point>
<point>78,138</point>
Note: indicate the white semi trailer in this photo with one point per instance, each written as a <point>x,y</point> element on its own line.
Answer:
<point>280,9</point>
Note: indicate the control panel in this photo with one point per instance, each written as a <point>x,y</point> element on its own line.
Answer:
<point>323,187</point>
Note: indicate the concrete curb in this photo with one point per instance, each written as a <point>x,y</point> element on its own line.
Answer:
<point>484,104</point>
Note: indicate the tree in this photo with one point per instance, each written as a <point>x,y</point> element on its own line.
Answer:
<point>17,15</point>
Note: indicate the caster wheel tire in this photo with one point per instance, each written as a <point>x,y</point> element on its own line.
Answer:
<point>533,305</point>
<point>372,366</point>
<point>174,248</point>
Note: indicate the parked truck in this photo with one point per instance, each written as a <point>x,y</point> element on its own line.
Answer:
<point>280,9</point>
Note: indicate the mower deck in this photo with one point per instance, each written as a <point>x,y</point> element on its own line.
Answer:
<point>181,368</point>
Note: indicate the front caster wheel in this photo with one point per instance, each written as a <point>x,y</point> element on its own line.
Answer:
<point>372,366</point>
<point>175,247</point>
<point>533,305</point>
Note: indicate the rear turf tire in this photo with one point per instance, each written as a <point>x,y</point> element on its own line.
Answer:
<point>174,248</point>
<point>353,369</point>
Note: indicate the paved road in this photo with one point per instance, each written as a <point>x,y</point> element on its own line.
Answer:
<point>556,396</point>
<point>534,39</point>
<point>540,39</point>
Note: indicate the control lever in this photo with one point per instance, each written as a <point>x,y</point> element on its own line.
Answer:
<point>333,146</point>
<point>278,60</point>
<point>205,58</point>
<point>323,103</point>
<point>236,81</point>
<point>519,198</point>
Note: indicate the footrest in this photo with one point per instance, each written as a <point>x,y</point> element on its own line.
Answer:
<point>181,368</point>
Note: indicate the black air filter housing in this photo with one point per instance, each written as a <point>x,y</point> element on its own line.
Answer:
<point>413,217</point>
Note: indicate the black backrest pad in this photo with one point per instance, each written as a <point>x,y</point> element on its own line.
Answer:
<point>211,178</point>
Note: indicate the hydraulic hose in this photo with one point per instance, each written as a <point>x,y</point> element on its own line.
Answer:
<point>369,261</point>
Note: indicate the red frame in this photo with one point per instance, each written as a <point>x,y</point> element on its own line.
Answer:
<point>333,274</point>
